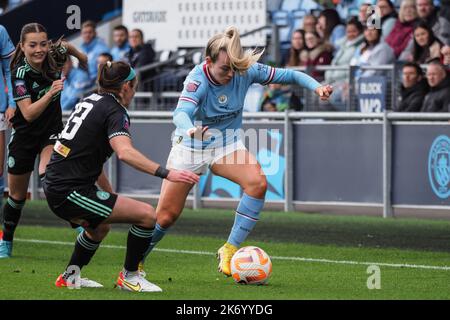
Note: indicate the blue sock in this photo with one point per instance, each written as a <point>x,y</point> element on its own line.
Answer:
<point>247,214</point>
<point>158,234</point>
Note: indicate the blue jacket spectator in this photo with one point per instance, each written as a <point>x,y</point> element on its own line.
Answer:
<point>77,81</point>
<point>121,46</point>
<point>6,50</point>
<point>92,46</point>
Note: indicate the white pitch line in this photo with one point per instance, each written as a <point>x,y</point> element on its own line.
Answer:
<point>393,265</point>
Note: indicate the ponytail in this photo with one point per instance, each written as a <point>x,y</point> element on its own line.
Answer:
<point>230,42</point>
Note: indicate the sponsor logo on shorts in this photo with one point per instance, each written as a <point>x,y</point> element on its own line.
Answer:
<point>439,166</point>
<point>11,162</point>
<point>103,195</point>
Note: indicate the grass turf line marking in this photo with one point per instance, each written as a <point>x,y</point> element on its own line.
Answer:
<point>393,265</point>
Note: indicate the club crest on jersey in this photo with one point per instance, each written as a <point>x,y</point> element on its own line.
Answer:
<point>223,99</point>
<point>20,88</point>
<point>192,86</point>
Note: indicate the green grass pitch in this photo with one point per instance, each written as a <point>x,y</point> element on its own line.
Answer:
<point>313,256</point>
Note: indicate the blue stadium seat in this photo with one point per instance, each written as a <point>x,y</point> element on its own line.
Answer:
<point>297,19</point>
<point>283,20</point>
<point>291,5</point>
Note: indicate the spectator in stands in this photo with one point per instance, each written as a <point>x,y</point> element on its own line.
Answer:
<point>92,46</point>
<point>413,89</point>
<point>121,46</point>
<point>372,52</point>
<point>330,27</point>
<point>309,23</point>
<point>403,29</point>
<point>277,97</point>
<point>425,46</point>
<point>446,55</point>
<point>429,13</point>
<point>388,16</point>
<point>297,45</point>
<point>317,53</point>
<point>104,58</point>
<point>363,14</point>
<point>77,81</point>
<point>438,99</point>
<point>339,78</point>
<point>141,54</point>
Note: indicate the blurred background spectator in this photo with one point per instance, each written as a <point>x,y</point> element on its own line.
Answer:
<point>92,46</point>
<point>363,13</point>
<point>403,29</point>
<point>309,23</point>
<point>330,28</point>
<point>372,52</point>
<point>121,46</point>
<point>446,55</point>
<point>424,45</point>
<point>339,78</point>
<point>438,98</point>
<point>430,14</point>
<point>413,88</point>
<point>317,53</point>
<point>292,59</point>
<point>388,16</point>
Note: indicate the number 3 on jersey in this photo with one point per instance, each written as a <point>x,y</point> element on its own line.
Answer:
<point>76,120</point>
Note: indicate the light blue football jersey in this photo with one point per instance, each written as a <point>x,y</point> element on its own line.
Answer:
<point>6,51</point>
<point>205,102</point>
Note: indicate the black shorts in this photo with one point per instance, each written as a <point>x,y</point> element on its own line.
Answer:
<point>23,149</point>
<point>86,207</point>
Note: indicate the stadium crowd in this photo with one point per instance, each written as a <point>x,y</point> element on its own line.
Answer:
<point>412,35</point>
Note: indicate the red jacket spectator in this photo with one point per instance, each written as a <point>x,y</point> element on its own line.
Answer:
<point>403,29</point>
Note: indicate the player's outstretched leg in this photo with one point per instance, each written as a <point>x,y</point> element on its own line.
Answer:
<point>12,211</point>
<point>86,245</point>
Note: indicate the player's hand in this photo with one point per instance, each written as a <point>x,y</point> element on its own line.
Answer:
<point>199,133</point>
<point>183,176</point>
<point>9,114</point>
<point>324,92</point>
<point>57,86</point>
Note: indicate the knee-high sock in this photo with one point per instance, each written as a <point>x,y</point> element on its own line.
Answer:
<point>139,239</point>
<point>2,189</point>
<point>247,214</point>
<point>12,211</point>
<point>83,252</point>
<point>158,234</point>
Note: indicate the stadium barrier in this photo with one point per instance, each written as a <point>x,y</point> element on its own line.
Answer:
<point>389,164</point>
